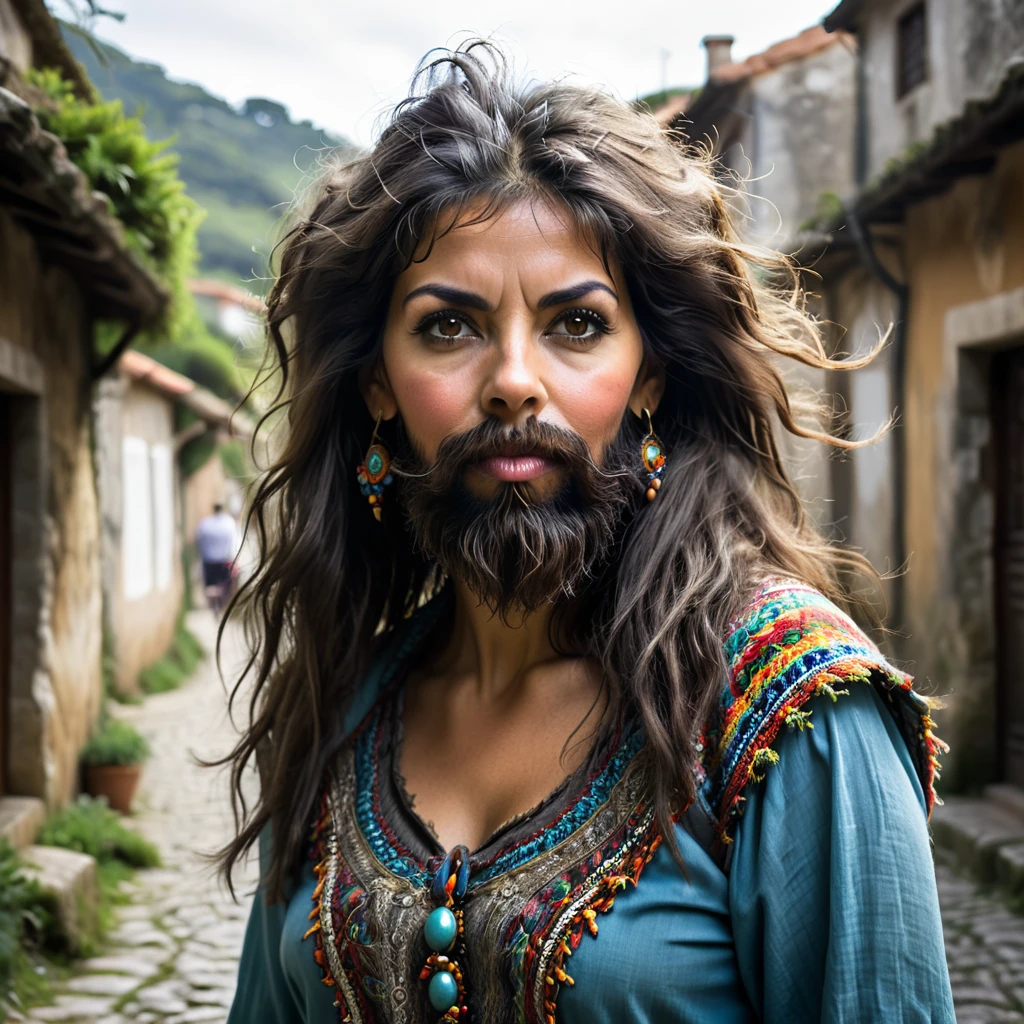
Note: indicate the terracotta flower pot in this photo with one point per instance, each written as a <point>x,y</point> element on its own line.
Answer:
<point>117,782</point>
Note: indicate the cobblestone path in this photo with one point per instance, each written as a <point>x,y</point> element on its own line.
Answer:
<point>984,950</point>
<point>174,952</point>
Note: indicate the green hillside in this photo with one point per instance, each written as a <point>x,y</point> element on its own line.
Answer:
<point>241,165</point>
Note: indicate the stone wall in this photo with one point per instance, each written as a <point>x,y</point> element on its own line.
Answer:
<point>799,142</point>
<point>55,680</point>
<point>143,626</point>
<point>965,271</point>
<point>969,45</point>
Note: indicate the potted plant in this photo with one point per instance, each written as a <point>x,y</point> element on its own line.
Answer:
<point>113,763</point>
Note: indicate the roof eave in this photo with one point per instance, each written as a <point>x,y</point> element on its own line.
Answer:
<point>845,15</point>
<point>48,195</point>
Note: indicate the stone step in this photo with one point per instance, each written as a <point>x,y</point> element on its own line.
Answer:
<point>70,880</point>
<point>21,818</point>
<point>985,836</point>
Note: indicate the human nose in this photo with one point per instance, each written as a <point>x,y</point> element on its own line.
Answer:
<point>514,387</point>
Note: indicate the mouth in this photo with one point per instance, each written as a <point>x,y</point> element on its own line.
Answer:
<point>516,464</point>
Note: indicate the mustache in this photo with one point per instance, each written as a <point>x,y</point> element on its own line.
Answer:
<point>491,438</point>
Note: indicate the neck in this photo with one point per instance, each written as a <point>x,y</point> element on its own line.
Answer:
<point>496,655</point>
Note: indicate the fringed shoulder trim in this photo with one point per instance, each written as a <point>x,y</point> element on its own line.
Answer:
<point>790,644</point>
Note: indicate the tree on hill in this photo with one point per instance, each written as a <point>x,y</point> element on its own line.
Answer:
<point>242,166</point>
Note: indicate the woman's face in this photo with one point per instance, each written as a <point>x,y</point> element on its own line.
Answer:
<point>511,318</point>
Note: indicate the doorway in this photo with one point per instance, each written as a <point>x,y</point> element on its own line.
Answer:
<point>1008,435</point>
<point>6,605</point>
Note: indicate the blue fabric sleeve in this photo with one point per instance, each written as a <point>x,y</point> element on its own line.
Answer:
<point>263,995</point>
<point>832,887</point>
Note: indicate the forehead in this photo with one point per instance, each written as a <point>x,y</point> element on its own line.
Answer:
<point>532,238</point>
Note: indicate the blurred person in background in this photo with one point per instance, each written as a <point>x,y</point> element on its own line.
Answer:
<point>218,541</point>
<point>561,710</point>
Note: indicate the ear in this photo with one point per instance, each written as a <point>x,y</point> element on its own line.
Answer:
<point>648,387</point>
<point>376,390</point>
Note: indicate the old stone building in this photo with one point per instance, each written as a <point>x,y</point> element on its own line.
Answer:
<point>149,509</point>
<point>777,123</point>
<point>63,264</point>
<point>937,220</point>
<point>891,163</point>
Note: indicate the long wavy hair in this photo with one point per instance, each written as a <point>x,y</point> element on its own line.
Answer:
<point>714,313</point>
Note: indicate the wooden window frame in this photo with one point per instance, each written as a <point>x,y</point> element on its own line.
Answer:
<point>904,86</point>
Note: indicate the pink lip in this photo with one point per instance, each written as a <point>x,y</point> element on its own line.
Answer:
<point>515,467</point>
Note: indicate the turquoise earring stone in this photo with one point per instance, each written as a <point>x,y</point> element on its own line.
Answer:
<point>375,463</point>
<point>653,451</point>
<point>443,991</point>
<point>440,930</point>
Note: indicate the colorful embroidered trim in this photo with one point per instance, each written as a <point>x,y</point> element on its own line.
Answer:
<point>553,922</point>
<point>789,645</point>
<point>343,903</point>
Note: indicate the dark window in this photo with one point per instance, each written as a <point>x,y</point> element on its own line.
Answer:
<point>912,53</point>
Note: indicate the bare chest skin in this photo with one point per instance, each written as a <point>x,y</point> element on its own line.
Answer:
<point>471,762</point>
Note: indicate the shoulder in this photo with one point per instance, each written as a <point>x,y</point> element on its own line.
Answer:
<point>789,644</point>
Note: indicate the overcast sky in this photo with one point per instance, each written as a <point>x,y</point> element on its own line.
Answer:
<point>342,65</point>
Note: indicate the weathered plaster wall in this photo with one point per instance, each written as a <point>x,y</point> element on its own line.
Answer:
<point>15,43</point>
<point>143,627</point>
<point>55,677</point>
<point>862,478</point>
<point>797,144</point>
<point>969,44</point>
<point>964,247</point>
<point>799,141</point>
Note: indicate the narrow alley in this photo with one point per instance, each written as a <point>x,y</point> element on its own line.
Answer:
<point>173,955</point>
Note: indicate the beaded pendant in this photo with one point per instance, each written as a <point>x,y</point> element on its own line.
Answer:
<point>652,452</point>
<point>373,475</point>
<point>444,932</point>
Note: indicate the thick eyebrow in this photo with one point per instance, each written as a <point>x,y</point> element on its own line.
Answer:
<point>448,294</point>
<point>463,298</point>
<point>577,291</point>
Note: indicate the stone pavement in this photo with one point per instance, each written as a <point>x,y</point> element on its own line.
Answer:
<point>984,950</point>
<point>174,952</point>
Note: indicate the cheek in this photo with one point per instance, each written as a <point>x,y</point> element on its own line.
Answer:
<point>433,405</point>
<point>594,402</point>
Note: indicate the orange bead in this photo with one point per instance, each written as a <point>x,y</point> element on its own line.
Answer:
<point>656,484</point>
<point>651,494</point>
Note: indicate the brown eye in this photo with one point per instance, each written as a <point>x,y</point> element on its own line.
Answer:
<point>576,325</point>
<point>450,327</point>
<point>580,325</point>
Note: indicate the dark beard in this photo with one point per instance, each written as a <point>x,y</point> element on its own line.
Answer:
<point>514,553</point>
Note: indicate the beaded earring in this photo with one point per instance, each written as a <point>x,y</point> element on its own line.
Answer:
<point>652,451</point>
<point>373,472</point>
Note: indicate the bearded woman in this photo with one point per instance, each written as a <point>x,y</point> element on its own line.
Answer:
<point>560,707</point>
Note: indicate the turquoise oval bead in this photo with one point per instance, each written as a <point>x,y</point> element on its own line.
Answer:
<point>440,930</point>
<point>375,463</point>
<point>443,991</point>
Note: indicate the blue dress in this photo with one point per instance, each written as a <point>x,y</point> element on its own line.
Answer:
<point>824,907</point>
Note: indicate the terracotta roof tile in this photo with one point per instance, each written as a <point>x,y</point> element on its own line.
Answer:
<point>806,43</point>
<point>149,371</point>
<point>212,288</point>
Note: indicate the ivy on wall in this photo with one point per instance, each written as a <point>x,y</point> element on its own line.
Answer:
<point>139,178</point>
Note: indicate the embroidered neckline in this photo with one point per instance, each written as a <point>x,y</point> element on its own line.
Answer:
<point>394,855</point>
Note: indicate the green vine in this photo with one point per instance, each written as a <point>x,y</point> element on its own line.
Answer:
<point>139,178</point>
